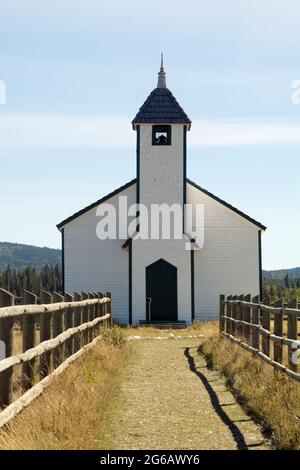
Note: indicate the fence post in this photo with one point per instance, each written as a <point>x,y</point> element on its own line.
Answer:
<point>292,334</point>
<point>91,308</point>
<point>255,321</point>
<point>58,327</point>
<point>239,316</point>
<point>85,317</point>
<point>278,330</point>
<point>234,313</point>
<point>101,311</point>
<point>228,315</point>
<point>221,312</point>
<point>247,318</point>
<point>29,331</point>
<point>6,337</point>
<point>96,312</point>
<point>45,333</point>
<point>91,316</point>
<point>243,311</point>
<point>77,322</point>
<point>69,323</point>
<point>109,308</point>
<point>266,324</point>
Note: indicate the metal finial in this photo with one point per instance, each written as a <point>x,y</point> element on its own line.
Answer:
<point>162,74</point>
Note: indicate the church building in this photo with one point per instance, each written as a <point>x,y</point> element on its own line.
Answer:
<point>163,278</point>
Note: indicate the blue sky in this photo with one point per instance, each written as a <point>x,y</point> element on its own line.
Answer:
<point>77,72</point>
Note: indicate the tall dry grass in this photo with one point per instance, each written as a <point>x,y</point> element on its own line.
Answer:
<point>71,412</point>
<point>272,396</point>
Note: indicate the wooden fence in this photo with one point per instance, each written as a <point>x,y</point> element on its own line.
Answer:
<point>269,330</point>
<point>52,334</point>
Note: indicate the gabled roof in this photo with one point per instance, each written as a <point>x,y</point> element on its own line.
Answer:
<point>161,107</point>
<point>132,182</point>
<point>229,206</point>
<point>95,204</point>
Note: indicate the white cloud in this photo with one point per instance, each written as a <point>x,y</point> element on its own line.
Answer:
<point>219,133</point>
<point>33,130</point>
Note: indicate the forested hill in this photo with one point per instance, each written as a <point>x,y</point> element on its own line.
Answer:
<point>278,276</point>
<point>21,256</point>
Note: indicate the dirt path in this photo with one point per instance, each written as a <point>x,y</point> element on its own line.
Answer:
<point>170,400</point>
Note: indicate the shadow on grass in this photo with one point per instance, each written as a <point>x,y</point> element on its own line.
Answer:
<point>235,431</point>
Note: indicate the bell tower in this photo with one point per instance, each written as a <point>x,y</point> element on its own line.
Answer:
<point>161,126</point>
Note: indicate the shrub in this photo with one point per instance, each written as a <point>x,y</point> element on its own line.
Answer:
<point>114,336</point>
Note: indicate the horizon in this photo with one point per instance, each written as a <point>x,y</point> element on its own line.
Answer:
<point>73,87</point>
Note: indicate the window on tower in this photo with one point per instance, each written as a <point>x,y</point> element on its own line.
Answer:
<point>161,135</point>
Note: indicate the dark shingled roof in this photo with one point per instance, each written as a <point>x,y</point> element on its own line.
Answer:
<point>161,107</point>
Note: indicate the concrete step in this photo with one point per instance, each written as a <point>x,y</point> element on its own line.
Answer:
<point>164,325</point>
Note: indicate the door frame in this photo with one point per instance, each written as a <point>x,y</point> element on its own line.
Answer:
<point>162,260</point>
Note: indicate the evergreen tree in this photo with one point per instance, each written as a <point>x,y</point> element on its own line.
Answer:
<point>49,278</point>
<point>287,281</point>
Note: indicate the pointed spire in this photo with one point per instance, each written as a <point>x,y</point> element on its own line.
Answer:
<point>162,75</point>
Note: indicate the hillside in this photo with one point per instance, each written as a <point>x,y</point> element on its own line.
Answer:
<point>277,276</point>
<point>20,256</point>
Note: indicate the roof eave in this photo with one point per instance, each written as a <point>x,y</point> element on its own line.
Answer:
<point>135,124</point>
<point>229,206</point>
<point>62,224</point>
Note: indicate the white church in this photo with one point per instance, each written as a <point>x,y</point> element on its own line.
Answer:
<point>163,280</point>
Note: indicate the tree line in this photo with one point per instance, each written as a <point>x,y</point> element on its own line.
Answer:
<point>289,290</point>
<point>48,278</point>
<point>290,282</point>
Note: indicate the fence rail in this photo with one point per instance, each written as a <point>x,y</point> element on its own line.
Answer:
<point>52,334</point>
<point>268,330</point>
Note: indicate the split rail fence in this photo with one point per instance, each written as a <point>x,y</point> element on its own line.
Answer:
<point>269,330</point>
<point>51,335</point>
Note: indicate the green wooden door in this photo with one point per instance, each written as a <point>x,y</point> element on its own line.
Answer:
<point>161,291</point>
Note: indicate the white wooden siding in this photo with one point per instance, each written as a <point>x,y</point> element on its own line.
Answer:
<point>161,168</point>
<point>229,261</point>
<point>97,265</point>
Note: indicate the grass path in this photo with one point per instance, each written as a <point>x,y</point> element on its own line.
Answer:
<point>170,400</point>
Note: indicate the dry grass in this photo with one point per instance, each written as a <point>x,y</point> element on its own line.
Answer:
<point>164,404</point>
<point>71,412</point>
<point>194,329</point>
<point>270,395</point>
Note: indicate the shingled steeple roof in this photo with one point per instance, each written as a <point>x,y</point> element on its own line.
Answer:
<point>161,107</point>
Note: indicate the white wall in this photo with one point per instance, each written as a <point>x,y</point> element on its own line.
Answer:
<point>229,261</point>
<point>227,264</point>
<point>145,252</point>
<point>97,265</point>
<point>161,167</point>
